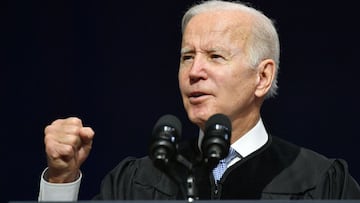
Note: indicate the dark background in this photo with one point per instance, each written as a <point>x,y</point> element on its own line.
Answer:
<point>114,64</point>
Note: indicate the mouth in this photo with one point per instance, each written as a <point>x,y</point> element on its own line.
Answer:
<point>197,97</point>
<point>196,94</point>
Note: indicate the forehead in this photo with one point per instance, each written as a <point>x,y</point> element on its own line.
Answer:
<point>218,27</point>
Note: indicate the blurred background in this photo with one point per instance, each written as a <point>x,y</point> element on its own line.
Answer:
<point>114,64</point>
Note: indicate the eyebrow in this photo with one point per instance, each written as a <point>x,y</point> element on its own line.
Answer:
<point>211,50</point>
<point>187,50</point>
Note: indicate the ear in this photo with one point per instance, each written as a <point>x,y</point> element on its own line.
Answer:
<point>266,74</point>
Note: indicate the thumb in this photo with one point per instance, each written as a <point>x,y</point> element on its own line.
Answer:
<point>87,135</point>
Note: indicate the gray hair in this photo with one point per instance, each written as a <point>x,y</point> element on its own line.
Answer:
<point>264,43</point>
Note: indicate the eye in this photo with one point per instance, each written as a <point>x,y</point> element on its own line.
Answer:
<point>217,58</point>
<point>186,57</point>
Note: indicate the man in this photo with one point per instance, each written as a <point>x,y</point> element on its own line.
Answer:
<point>229,65</point>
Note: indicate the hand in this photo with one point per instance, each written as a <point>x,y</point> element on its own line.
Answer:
<point>67,145</point>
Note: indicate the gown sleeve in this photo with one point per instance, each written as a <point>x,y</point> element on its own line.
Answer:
<point>313,176</point>
<point>337,183</point>
<point>136,179</point>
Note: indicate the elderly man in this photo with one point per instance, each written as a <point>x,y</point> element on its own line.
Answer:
<point>228,65</point>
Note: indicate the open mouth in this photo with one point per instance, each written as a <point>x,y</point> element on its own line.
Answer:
<point>198,97</point>
<point>197,94</point>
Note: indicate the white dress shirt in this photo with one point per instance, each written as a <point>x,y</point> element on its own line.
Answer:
<point>58,191</point>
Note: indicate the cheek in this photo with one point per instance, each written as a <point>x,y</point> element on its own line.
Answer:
<point>240,85</point>
<point>181,81</point>
<point>180,75</point>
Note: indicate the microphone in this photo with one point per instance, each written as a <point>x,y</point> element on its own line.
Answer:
<point>163,145</point>
<point>216,142</point>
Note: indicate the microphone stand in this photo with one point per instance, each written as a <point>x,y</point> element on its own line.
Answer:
<point>191,189</point>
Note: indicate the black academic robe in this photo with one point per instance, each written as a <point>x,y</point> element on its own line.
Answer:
<point>278,170</point>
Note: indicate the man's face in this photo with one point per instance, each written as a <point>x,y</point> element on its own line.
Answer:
<point>214,76</point>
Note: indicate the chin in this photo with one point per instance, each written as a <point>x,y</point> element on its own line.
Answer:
<point>199,119</point>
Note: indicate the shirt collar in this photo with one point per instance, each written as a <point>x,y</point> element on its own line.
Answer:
<point>249,142</point>
<point>252,140</point>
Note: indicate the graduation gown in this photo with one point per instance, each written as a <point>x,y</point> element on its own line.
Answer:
<point>278,170</point>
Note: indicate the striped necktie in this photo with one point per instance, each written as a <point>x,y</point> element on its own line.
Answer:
<point>219,170</point>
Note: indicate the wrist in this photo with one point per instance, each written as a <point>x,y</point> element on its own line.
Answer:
<point>53,176</point>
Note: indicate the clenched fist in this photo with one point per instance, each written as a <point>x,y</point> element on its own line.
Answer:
<point>67,145</point>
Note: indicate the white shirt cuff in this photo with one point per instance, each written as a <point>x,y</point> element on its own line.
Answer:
<point>58,191</point>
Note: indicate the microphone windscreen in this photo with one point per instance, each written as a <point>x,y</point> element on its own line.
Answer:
<point>170,121</point>
<point>219,119</point>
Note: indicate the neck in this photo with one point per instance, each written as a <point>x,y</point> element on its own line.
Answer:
<point>242,125</point>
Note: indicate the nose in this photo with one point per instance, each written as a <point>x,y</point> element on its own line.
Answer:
<point>198,69</point>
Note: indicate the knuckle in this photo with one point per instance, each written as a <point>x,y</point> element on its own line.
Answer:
<point>57,121</point>
<point>67,150</point>
<point>72,130</point>
<point>74,140</point>
<point>48,129</point>
<point>74,121</point>
<point>52,155</point>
